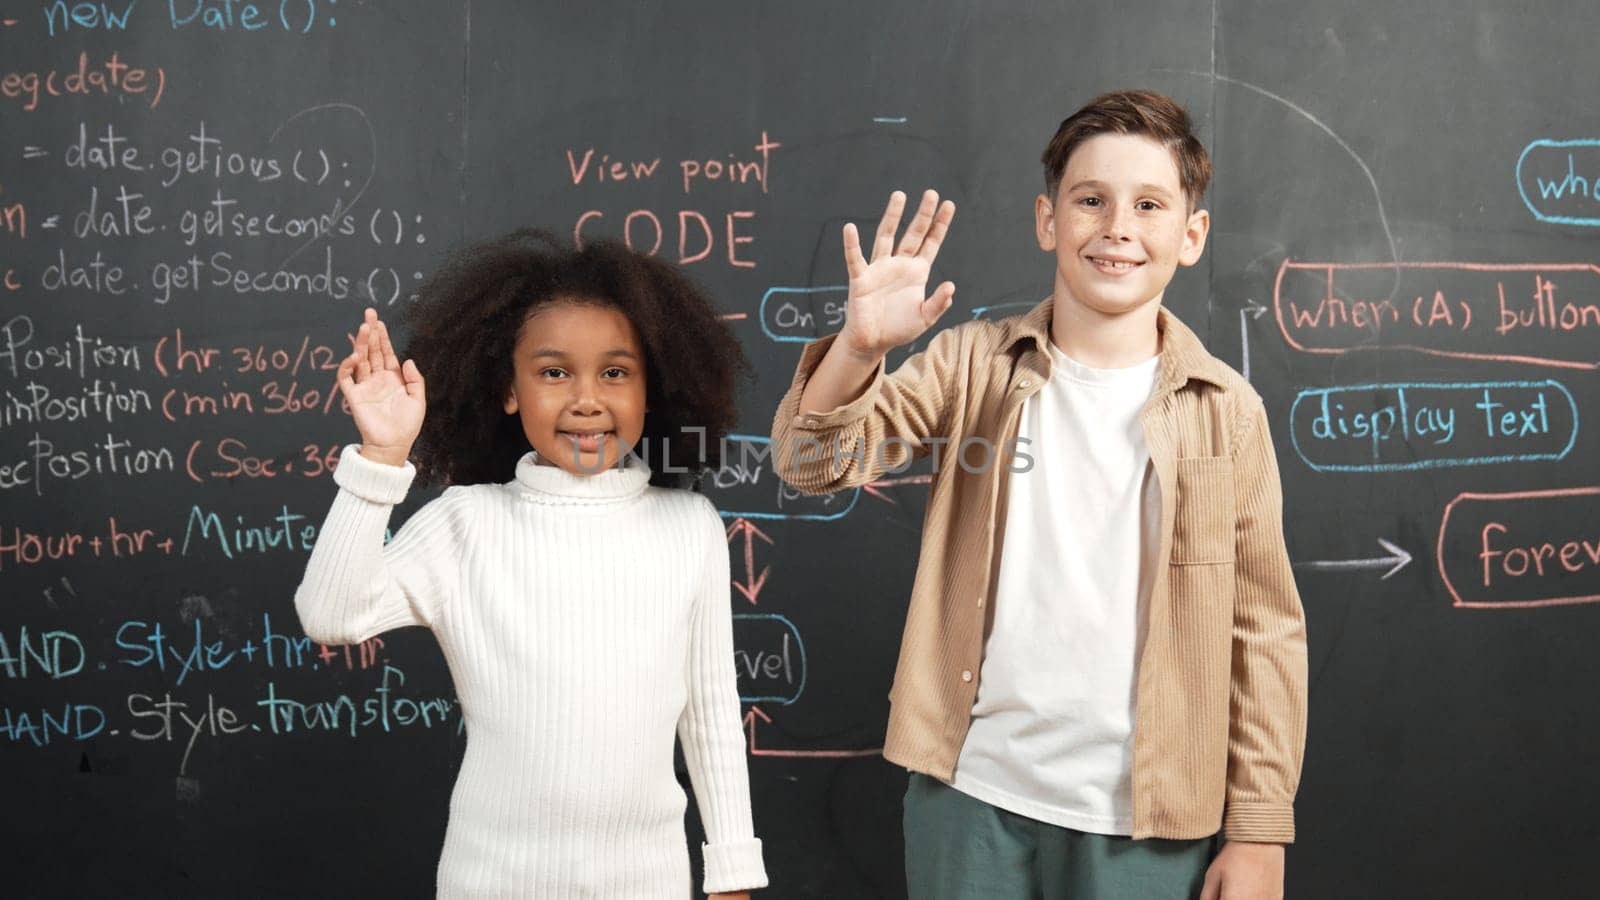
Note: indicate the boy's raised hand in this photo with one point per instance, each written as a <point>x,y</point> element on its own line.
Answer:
<point>887,306</point>
<point>386,399</point>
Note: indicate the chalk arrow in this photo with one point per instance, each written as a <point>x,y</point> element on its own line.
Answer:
<point>751,588</point>
<point>1396,560</point>
<point>750,726</point>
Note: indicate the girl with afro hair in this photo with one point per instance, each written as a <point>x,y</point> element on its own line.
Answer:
<point>564,572</point>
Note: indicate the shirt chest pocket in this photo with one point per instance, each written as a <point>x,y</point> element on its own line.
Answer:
<point>1203,532</point>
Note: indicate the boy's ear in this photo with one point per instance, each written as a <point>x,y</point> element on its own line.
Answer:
<point>1044,222</point>
<point>1194,237</point>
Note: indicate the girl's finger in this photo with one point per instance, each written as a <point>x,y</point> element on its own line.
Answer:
<point>390,362</point>
<point>346,374</point>
<point>358,350</point>
<point>375,346</point>
<point>362,352</point>
<point>414,383</point>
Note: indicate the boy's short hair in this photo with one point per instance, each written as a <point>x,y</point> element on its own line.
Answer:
<point>1146,113</point>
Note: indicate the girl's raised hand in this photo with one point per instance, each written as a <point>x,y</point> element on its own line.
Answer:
<point>386,399</point>
<point>887,305</point>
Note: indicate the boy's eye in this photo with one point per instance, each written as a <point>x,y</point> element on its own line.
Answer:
<point>1090,201</point>
<point>1148,206</point>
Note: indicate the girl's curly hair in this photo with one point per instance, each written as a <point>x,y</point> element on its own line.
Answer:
<point>464,328</point>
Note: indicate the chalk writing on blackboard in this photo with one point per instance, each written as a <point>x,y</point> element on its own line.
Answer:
<point>1521,549</point>
<point>747,487</point>
<point>793,314</point>
<point>1402,426</point>
<point>1565,181</point>
<point>771,659</point>
<point>1546,314</point>
<point>698,233</point>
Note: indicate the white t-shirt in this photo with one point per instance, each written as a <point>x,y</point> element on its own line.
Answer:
<point>1052,725</point>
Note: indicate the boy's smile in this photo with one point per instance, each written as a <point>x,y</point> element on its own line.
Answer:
<point>578,385</point>
<point>1119,226</point>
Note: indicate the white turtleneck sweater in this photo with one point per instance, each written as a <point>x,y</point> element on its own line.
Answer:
<point>586,623</point>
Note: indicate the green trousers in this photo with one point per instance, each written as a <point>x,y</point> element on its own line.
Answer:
<point>960,848</point>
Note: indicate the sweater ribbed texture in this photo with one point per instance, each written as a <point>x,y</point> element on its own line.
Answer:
<point>586,624</point>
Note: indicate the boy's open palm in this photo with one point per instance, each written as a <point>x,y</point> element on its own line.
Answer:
<point>386,399</point>
<point>887,306</point>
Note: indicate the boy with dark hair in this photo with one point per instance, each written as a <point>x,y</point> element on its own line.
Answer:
<point>1101,689</point>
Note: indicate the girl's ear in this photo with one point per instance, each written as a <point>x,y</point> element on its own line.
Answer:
<point>511,402</point>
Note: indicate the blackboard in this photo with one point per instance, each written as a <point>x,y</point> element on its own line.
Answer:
<point>198,197</point>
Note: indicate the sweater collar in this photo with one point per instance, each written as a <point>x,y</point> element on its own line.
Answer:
<point>555,485</point>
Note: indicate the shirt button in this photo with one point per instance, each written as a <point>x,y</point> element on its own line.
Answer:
<point>1024,383</point>
<point>811,421</point>
<point>980,603</point>
<point>966,674</point>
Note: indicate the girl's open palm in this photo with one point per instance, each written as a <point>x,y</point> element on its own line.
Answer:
<point>887,305</point>
<point>385,398</point>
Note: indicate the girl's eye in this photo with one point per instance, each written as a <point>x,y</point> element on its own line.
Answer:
<point>551,372</point>
<point>615,372</point>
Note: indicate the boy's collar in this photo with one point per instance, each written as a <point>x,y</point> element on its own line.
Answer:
<point>1183,356</point>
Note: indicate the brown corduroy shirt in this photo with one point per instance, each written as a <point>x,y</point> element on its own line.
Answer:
<point>1220,704</point>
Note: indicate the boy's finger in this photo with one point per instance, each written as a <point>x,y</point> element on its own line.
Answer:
<point>912,242</point>
<point>854,262</point>
<point>883,242</point>
<point>938,302</point>
<point>941,226</point>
